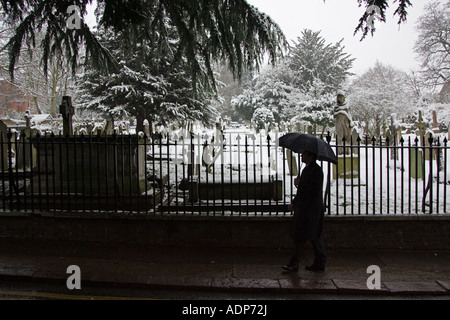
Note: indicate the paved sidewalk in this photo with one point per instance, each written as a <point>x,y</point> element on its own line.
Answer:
<point>226,269</point>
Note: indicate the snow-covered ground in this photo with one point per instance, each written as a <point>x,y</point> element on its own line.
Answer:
<point>384,184</point>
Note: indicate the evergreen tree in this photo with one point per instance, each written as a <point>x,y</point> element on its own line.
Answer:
<point>146,83</point>
<point>232,30</point>
<point>303,86</point>
<point>364,25</point>
<point>271,89</point>
<point>316,107</point>
<point>312,59</point>
<point>207,30</point>
<point>262,117</point>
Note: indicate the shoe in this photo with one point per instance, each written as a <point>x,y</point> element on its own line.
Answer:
<point>315,267</point>
<point>290,267</point>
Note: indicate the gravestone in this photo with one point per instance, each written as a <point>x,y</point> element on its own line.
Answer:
<point>67,111</point>
<point>421,128</point>
<point>429,152</point>
<point>292,163</point>
<point>109,127</point>
<point>393,135</point>
<point>26,152</point>
<point>89,127</point>
<point>28,117</point>
<point>68,164</point>
<point>416,163</point>
<point>435,124</point>
<point>347,167</point>
<point>146,125</point>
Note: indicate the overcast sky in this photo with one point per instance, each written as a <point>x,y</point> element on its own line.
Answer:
<point>337,19</point>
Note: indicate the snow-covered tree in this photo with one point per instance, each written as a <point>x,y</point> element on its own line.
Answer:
<point>316,107</point>
<point>147,84</point>
<point>303,85</point>
<point>246,103</point>
<point>271,89</point>
<point>45,91</point>
<point>432,45</point>
<point>206,30</point>
<point>313,59</point>
<point>378,93</point>
<point>366,25</point>
<point>262,117</point>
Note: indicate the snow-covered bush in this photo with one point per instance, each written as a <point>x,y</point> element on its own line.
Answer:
<point>261,117</point>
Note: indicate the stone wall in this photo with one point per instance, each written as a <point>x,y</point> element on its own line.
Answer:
<point>370,232</point>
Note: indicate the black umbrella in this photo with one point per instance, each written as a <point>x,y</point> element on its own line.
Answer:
<point>299,142</point>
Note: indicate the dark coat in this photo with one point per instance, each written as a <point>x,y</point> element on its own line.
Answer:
<point>308,204</point>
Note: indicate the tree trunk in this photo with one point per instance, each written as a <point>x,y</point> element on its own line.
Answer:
<point>140,118</point>
<point>53,92</point>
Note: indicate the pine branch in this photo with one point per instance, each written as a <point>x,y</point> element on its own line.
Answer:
<point>208,30</point>
<point>363,25</point>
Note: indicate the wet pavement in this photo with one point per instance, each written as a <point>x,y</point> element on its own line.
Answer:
<point>216,269</point>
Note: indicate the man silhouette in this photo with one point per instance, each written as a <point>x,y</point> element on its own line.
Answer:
<point>308,210</point>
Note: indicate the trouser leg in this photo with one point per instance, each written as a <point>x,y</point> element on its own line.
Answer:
<point>298,252</point>
<point>320,257</point>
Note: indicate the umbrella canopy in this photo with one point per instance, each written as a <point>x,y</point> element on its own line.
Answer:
<point>299,142</point>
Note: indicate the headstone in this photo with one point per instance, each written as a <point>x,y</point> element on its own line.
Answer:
<point>27,119</point>
<point>347,167</point>
<point>89,127</point>
<point>67,111</point>
<point>109,127</point>
<point>416,163</point>
<point>393,137</point>
<point>421,127</point>
<point>435,125</point>
<point>26,152</point>
<point>292,163</point>
<point>72,169</point>
<point>146,125</point>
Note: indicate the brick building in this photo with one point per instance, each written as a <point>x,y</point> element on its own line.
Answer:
<point>12,98</point>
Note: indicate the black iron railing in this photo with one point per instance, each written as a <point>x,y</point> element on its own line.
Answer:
<point>223,173</point>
